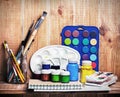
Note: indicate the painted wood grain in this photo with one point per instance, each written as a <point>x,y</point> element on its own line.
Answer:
<point>17,15</point>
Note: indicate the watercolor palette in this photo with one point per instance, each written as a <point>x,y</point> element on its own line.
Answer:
<point>84,39</point>
<point>56,55</point>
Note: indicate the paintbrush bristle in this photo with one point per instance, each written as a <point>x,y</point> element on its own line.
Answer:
<point>5,41</point>
<point>44,13</point>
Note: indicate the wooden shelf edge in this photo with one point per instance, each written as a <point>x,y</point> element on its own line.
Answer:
<point>115,88</point>
<point>6,88</point>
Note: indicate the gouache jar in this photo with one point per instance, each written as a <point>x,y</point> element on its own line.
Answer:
<point>73,68</point>
<point>56,67</point>
<point>65,76</point>
<point>86,69</point>
<point>45,76</point>
<point>45,65</point>
<point>55,76</point>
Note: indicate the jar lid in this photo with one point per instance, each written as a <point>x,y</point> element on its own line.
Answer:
<point>56,72</point>
<point>55,67</point>
<point>72,60</point>
<point>65,73</point>
<point>88,62</point>
<point>46,71</point>
<point>46,62</point>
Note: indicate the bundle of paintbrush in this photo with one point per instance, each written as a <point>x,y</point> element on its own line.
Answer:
<point>17,64</point>
<point>26,43</point>
<point>15,70</point>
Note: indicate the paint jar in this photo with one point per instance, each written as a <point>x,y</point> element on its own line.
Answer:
<point>86,69</point>
<point>45,76</point>
<point>65,76</point>
<point>93,42</point>
<point>55,67</point>
<point>73,68</point>
<point>55,76</point>
<point>67,41</point>
<point>36,76</point>
<point>46,64</point>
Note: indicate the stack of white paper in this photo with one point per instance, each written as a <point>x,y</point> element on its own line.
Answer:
<point>101,79</point>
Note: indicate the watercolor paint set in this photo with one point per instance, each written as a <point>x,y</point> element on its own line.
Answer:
<point>84,39</point>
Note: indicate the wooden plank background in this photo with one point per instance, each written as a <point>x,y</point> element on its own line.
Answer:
<point>17,15</point>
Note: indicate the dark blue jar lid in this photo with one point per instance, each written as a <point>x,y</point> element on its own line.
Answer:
<point>45,66</point>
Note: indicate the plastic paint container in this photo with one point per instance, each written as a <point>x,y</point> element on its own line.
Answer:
<point>45,76</point>
<point>94,65</point>
<point>85,49</point>
<point>67,33</point>
<point>46,64</point>
<point>67,41</point>
<point>93,34</point>
<point>93,57</point>
<point>93,49</point>
<point>85,33</point>
<point>65,76</point>
<point>93,41</point>
<point>55,76</point>
<point>85,41</point>
<point>75,33</point>
<point>36,76</point>
<point>73,67</point>
<point>55,67</point>
<point>75,41</point>
<point>85,56</point>
<point>86,69</point>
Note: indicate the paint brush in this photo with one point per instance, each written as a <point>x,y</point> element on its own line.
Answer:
<point>16,66</point>
<point>23,43</point>
<point>40,20</point>
<point>6,47</point>
<point>37,25</point>
<point>29,33</point>
<point>12,57</point>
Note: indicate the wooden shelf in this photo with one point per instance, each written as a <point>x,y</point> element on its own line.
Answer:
<point>6,88</point>
<point>115,88</point>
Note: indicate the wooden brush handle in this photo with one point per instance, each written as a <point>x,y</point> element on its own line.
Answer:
<point>29,41</point>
